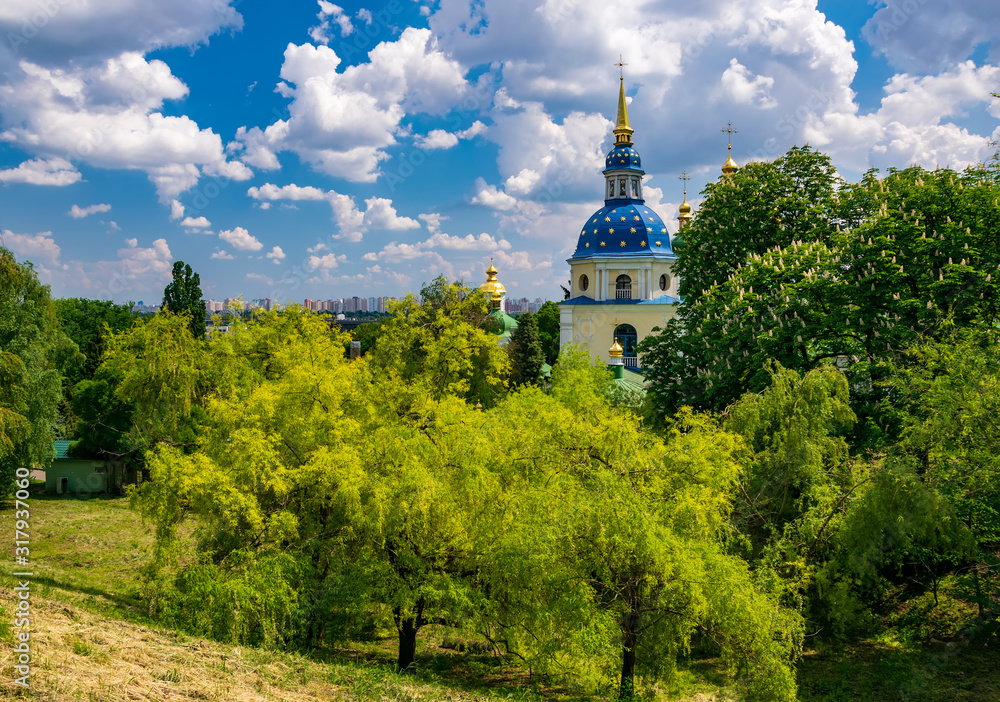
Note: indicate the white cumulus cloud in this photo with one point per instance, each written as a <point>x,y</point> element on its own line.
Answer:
<point>489,196</point>
<point>352,223</point>
<point>196,223</point>
<point>37,248</point>
<point>240,238</point>
<point>328,261</point>
<point>77,212</point>
<point>39,171</point>
<point>341,122</point>
<point>109,115</point>
<point>441,139</point>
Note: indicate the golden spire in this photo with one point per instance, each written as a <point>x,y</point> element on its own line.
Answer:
<point>685,209</point>
<point>623,132</point>
<point>616,350</point>
<point>730,166</point>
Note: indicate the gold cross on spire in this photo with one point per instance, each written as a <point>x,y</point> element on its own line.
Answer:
<point>730,131</point>
<point>621,67</point>
<point>729,167</point>
<point>685,177</point>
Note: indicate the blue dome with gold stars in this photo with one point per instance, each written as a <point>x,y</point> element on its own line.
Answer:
<point>624,228</point>
<point>623,157</point>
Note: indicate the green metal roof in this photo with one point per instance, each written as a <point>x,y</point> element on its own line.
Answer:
<point>61,448</point>
<point>507,323</point>
<point>630,380</point>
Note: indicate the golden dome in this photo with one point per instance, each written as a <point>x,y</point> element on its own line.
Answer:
<point>685,213</point>
<point>730,166</point>
<point>616,350</point>
<point>492,285</point>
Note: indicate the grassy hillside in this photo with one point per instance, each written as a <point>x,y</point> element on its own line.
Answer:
<point>94,641</point>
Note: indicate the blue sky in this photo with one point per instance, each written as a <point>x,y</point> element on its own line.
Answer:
<point>321,150</point>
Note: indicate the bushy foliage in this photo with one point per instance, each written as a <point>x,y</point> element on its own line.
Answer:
<point>33,354</point>
<point>919,248</point>
<point>587,542</point>
<point>548,330</point>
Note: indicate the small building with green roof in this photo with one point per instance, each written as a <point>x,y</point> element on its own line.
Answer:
<point>73,475</point>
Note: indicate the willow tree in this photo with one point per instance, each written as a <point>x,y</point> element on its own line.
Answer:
<point>354,489</point>
<point>620,541</point>
<point>324,488</point>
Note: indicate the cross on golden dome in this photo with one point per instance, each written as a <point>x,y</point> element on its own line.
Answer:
<point>685,209</point>
<point>729,167</point>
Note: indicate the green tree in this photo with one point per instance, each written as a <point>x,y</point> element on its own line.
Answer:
<point>164,374</point>
<point>525,349</point>
<point>103,420</point>
<point>355,488</point>
<point>367,334</point>
<point>100,422</point>
<point>951,390</point>
<point>87,323</point>
<point>33,350</point>
<point>799,459</point>
<point>763,205</point>
<point>548,330</point>
<point>798,480</point>
<point>325,489</point>
<point>617,557</point>
<point>932,511</point>
<point>924,252</point>
<point>182,295</point>
<point>443,345</point>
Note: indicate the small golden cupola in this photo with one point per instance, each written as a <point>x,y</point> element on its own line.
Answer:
<point>730,166</point>
<point>493,288</point>
<point>616,363</point>
<point>685,209</point>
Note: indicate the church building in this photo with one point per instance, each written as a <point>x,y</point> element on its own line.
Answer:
<point>622,281</point>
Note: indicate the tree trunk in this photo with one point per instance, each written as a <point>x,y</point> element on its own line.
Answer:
<point>407,629</point>
<point>630,637</point>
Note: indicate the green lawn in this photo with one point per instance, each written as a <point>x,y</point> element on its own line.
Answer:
<point>96,642</point>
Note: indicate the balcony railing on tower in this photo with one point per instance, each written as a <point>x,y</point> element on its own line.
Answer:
<point>623,291</point>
